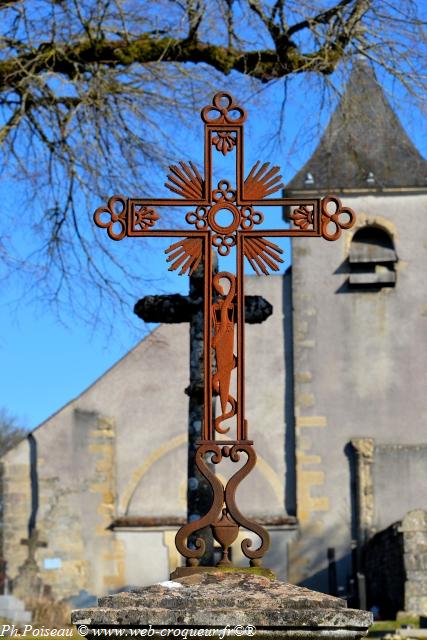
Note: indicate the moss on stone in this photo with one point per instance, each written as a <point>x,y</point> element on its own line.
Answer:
<point>256,571</point>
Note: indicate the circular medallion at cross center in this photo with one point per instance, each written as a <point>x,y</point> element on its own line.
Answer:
<point>224,206</point>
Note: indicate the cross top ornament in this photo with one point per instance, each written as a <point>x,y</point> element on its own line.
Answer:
<point>224,435</point>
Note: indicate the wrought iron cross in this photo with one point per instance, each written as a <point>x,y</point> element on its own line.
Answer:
<point>223,355</point>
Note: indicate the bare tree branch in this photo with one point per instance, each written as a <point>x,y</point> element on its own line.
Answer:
<point>321,18</point>
<point>85,84</point>
<point>195,10</point>
<point>4,4</point>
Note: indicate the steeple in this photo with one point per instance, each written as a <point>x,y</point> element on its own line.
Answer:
<point>364,147</point>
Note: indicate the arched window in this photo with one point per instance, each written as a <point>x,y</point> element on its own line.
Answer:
<point>372,259</point>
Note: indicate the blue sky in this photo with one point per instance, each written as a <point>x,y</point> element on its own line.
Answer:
<point>46,363</point>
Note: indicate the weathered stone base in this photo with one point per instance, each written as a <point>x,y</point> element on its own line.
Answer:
<point>246,605</point>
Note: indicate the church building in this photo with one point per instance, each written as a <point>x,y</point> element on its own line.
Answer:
<point>336,401</point>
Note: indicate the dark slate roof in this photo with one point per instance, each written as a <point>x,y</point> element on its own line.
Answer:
<point>364,147</point>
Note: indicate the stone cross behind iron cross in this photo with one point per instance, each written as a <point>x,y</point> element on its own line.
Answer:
<point>173,309</point>
<point>223,295</point>
<point>33,542</point>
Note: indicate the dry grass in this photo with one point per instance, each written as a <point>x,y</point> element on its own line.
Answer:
<point>48,612</point>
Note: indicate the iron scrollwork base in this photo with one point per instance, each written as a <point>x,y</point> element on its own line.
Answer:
<point>223,517</point>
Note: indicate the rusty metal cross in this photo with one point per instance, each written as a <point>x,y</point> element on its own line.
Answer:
<point>223,354</point>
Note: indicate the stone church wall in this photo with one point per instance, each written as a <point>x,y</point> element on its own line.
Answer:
<point>78,469</point>
<point>66,489</point>
<point>119,450</point>
<point>358,364</point>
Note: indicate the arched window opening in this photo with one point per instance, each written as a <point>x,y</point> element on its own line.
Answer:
<point>372,259</point>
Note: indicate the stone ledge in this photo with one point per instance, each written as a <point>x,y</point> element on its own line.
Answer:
<point>215,600</point>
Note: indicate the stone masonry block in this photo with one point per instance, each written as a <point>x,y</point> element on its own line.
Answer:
<point>416,605</point>
<point>415,562</point>
<point>416,587</point>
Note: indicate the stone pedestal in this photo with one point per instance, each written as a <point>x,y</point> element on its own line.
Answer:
<point>235,604</point>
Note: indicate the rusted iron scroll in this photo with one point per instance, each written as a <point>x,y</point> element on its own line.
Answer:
<point>226,434</point>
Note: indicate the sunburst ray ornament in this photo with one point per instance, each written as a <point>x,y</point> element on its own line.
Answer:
<point>263,254</point>
<point>186,182</point>
<point>262,182</point>
<point>186,254</point>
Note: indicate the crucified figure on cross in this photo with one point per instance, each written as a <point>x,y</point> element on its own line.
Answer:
<point>223,295</point>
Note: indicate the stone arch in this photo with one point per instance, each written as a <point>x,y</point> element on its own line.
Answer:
<point>266,470</point>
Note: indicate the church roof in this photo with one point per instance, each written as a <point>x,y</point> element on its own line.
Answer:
<point>364,147</point>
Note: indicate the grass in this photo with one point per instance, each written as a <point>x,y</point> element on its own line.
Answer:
<point>386,626</point>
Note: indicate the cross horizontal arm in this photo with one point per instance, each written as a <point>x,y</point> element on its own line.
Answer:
<point>281,202</point>
<point>167,233</point>
<point>175,308</point>
<point>169,202</point>
<point>280,233</point>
